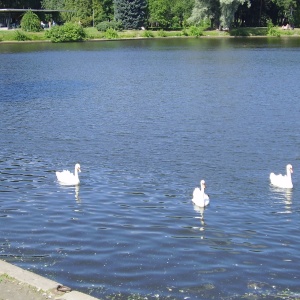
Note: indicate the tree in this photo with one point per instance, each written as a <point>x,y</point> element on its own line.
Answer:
<point>85,11</point>
<point>205,9</point>
<point>132,13</point>
<point>52,4</point>
<point>221,11</point>
<point>33,4</point>
<point>169,13</point>
<point>287,7</point>
<point>103,10</point>
<point>108,9</point>
<point>159,13</point>
<point>31,22</point>
<point>80,11</point>
<point>228,9</point>
<point>181,10</point>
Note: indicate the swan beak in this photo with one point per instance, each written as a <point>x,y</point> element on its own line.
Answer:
<point>291,170</point>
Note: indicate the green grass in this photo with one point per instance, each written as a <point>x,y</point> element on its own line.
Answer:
<point>12,35</point>
<point>93,33</point>
<point>262,31</point>
<point>5,277</point>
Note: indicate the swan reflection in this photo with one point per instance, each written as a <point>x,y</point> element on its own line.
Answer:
<point>285,195</point>
<point>200,210</point>
<point>77,194</point>
<point>73,190</point>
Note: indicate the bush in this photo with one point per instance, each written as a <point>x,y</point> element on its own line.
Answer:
<point>69,32</point>
<point>104,26</point>
<point>147,34</point>
<point>31,22</point>
<point>185,32</point>
<point>195,31</point>
<point>272,31</point>
<point>162,33</point>
<point>111,33</point>
<point>19,36</point>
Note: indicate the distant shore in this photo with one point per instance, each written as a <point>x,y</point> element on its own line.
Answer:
<point>18,35</point>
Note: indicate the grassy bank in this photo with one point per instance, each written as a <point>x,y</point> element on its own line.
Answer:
<point>94,34</point>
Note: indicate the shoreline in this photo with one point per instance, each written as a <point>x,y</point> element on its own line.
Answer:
<point>152,38</point>
<point>93,35</point>
<point>17,283</point>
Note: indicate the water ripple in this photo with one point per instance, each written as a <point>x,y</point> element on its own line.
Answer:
<point>144,138</point>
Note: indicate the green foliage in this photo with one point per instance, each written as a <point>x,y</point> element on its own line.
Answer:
<point>272,31</point>
<point>69,32</point>
<point>175,22</point>
<point>205,24</point>
<point>31,22</point>
<point>103,26</point>
<point>147,34</point>
<point>82,11</point>
<point>167,13</point>
<point>162,33</point>
<point>159,11</point>
<point>286,6</point>
<point>132,13</point>
<point>204,11</point>
<point>20,36</point>
<point>111,33</point>
<point>195,31</point>
<point>228,9</point>
<point>185,32</point>
<point>52,4</point>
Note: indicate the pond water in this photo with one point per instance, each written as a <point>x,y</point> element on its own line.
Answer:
<point>147,119</point>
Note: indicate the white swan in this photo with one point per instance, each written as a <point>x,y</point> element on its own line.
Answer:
<point>199,197</point>
<point>283,181</point>
<point>67,178</point>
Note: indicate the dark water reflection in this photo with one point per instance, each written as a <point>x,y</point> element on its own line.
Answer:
<point>147,120</point>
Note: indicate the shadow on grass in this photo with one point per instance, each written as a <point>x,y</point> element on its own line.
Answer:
<point>249,31</point>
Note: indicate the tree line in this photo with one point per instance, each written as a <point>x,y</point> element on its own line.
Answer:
<point>169,14</point>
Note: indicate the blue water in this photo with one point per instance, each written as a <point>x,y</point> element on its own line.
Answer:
<point>147,120</point>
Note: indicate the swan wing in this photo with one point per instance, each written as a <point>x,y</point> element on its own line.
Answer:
<point>281,181</point>
<point>196,193</point>
<point>206,200</point>
<point>198,198</point>
<point>67,178</point>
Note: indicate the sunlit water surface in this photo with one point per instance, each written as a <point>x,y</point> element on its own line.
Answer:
<point>147,120</point>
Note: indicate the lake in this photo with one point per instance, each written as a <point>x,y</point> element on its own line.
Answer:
<point>147,120</point>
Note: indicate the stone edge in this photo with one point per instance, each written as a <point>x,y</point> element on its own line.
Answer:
<point>39,282</point>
